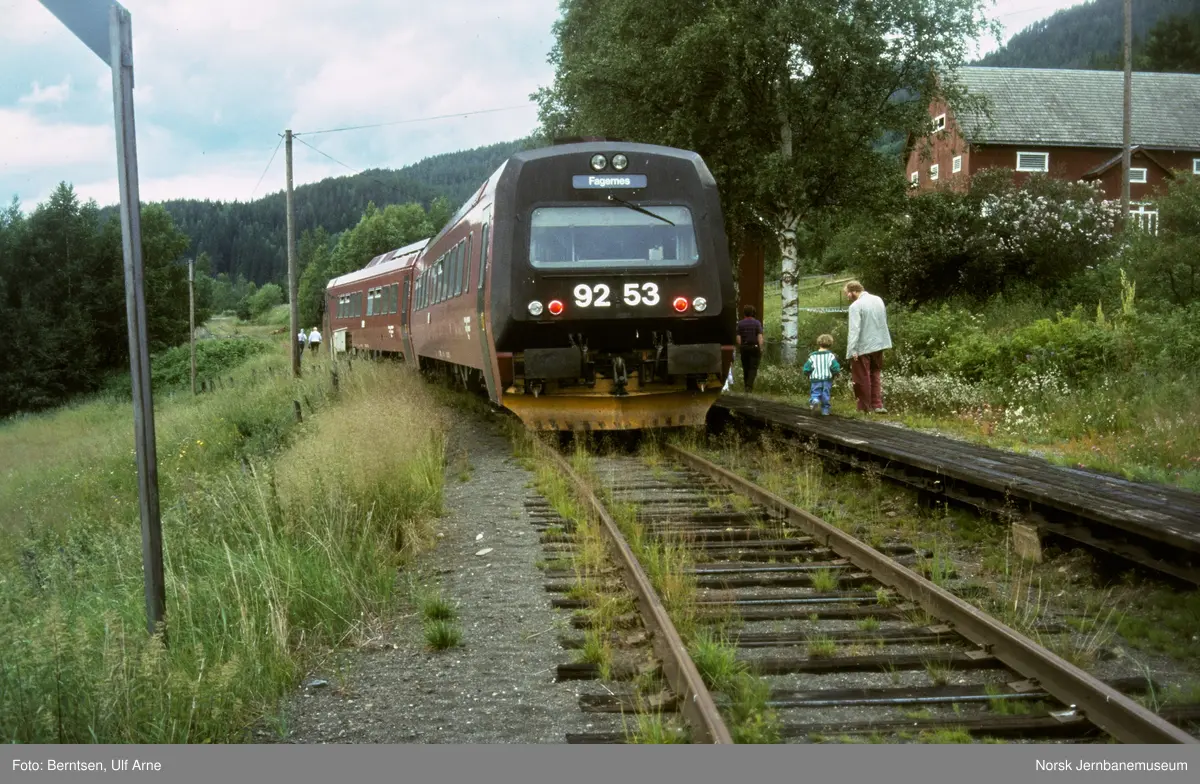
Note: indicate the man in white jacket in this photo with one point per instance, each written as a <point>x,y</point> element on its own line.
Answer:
<point>868,339</point>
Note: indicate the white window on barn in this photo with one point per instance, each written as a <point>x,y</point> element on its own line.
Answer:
<point>939,123</point>
<point>956,165</point>
<point>1195,165</point>
<point>915,178</point>
<point>1033,161</point>
<point>933,172</point>
<point>1144,216</point>
<point>1137,175</point>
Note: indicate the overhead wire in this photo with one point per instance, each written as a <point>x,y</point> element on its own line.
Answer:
<point>419,119</point>
<point>268,167</point>
<point>327,155</point>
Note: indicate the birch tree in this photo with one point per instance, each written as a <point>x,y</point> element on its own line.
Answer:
<point>787,100</point>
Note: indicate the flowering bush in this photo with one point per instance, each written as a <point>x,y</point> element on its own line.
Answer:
<point>980,242</point>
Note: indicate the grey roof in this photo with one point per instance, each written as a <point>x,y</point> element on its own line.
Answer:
<point>1065,107</point>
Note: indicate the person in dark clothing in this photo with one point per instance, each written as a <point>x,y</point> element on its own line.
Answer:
<point>750,343</point>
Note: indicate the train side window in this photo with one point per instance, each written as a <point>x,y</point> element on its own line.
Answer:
<point>395,297</point>
<point>370,302</point>
<point>441,268</point>
<point>466,273</point>
<point>456,269</point>
<point>483,251</point>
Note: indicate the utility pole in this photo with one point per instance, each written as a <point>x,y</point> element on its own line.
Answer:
<point>293,304</point>
<point>1125,161</point>
<point>192,316</point>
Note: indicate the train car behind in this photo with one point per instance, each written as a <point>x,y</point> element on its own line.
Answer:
<point>368,309</point>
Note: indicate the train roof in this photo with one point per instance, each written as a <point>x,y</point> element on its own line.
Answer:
<point>384,263</point>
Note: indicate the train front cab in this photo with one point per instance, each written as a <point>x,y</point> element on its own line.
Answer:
<point>620,299</point>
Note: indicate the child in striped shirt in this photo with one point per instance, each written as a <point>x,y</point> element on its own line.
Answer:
<point>821,367</point>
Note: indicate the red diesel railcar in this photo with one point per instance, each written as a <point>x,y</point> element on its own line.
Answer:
<point>584,286</point>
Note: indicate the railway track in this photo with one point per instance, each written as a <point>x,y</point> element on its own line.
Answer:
<point>792,630</point>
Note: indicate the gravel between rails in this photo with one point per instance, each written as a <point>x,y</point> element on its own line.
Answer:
<point>498,686</point>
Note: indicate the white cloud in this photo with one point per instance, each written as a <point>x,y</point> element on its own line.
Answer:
<point>55,93</point>
<point>31,144</point>
<point>221,79</point>
<point>228,181</point>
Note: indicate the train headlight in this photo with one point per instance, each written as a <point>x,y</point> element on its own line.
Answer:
<point>620,162</point>
<point>700,303</point>
<point>555,307</point>
<point>599,162</point>
<point>681,304</point>
<point>535,308</point>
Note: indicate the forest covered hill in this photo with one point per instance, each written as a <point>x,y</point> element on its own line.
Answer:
<point>1091,35</point>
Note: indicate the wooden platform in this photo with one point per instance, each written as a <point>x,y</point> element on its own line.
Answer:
<point>1155,525</point>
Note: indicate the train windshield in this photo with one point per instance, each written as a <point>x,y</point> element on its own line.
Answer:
<point>586,237</point>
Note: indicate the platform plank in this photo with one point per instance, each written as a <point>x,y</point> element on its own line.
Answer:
<point>1165,514</point>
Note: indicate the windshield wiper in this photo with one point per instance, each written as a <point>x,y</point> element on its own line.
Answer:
<point>636,208</point>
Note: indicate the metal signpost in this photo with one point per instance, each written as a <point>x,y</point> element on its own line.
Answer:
<point>105,27</point>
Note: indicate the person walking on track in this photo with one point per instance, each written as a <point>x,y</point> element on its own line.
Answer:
<point>868,339</point>
<point>750,342</point>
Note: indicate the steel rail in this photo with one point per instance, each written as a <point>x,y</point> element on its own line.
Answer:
<point>695,701</point>
<point>1110,710</point>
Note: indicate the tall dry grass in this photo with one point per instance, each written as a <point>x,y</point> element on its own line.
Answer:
<point>280,538</point>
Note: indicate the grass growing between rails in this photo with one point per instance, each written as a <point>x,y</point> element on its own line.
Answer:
<point>280,539</point>
<point>669,561</point>
<point>1095,617</point>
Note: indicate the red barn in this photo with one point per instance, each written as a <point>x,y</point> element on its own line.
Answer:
<point>1068,124</point>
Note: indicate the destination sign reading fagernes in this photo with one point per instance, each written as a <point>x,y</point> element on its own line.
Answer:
<point>609,181</point>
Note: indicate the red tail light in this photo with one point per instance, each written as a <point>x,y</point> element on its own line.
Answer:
<point>555,307</point>
<point>681,304</point>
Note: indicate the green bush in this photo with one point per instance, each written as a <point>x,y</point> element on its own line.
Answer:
<point>979,243</point>
<point>1069,347</point>
<point>172,368</point>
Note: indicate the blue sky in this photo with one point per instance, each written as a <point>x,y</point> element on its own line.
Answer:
<point>217,81</point>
